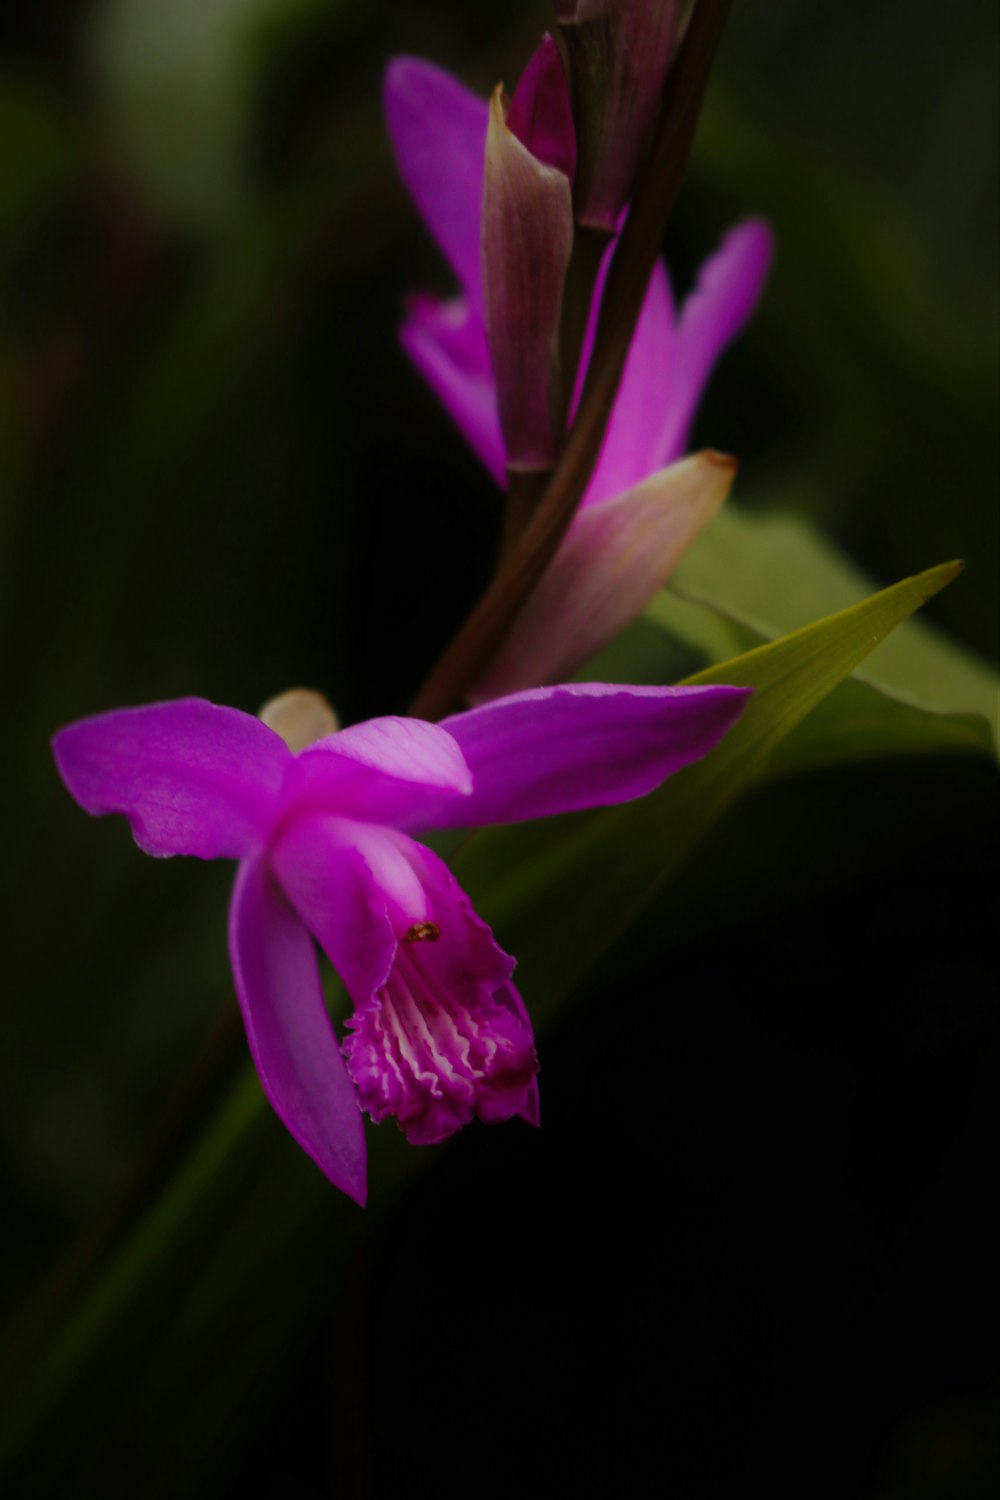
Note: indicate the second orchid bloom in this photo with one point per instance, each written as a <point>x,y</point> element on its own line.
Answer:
<point>493,183</point>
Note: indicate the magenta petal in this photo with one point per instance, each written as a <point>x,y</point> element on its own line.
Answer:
<point>191,777</point>
<point>447,1038</point>
<point>438,132</point>
<point>447,343</point>
<point>541,114</point>
<point>558,749</point>
<point>339,875</point>
<point>729,285</point>
<point>634,437</point>
<point>386,770</point>
<point>291,1037</point>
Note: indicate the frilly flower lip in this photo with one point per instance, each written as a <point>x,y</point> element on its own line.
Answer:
<point>324,841</point>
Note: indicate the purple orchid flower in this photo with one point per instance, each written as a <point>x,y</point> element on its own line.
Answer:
<point>323,838</point>
<point>643,508</point>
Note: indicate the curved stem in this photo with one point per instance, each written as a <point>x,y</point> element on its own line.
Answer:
<point>589,246</point>
<point>525,488</point>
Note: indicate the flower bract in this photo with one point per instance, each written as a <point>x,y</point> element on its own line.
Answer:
<point>527,239</point>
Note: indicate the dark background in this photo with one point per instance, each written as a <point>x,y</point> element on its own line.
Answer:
<point>753,1241</point>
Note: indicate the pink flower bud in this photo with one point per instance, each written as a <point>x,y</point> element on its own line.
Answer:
<point>540,113</point>
<point>620,51</point>
<point>527,237</point>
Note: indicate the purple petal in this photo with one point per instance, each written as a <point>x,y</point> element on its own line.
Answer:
<point>615,557</point>
<point>342,877</point>
<point>541,114</point>
<point>384,771</point>
<point>447,1038</point>
<point>191,777</point>
<point>558,749</point>
<point>729,285</point>
<point>438,132</point>
<point>633,441</point>
<point>447,343</point>
<point>291,1037</point>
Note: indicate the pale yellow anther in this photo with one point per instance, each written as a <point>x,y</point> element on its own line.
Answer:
<point>300,716</point>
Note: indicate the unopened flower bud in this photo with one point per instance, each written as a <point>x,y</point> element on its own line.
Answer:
<point>620,51</point>
<point>527,239</point>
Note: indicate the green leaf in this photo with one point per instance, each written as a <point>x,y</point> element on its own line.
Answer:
<point>752,578</point>
<point>884,366</point>
<point>560,892</point>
